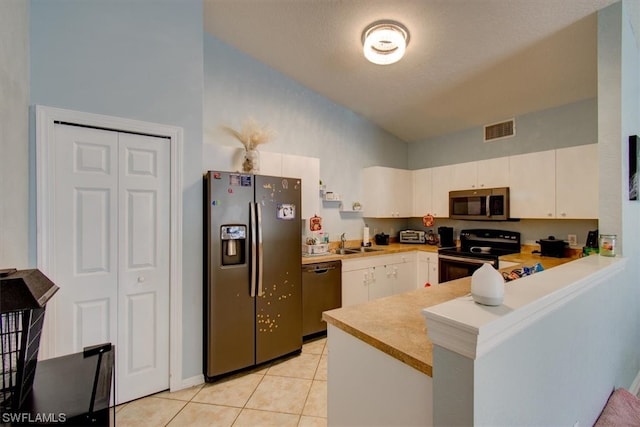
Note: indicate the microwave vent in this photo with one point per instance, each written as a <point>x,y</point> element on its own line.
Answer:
<point>500,130</point>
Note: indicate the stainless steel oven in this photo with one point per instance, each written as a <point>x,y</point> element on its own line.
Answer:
<point>477,247</point>
<point>452,267</point>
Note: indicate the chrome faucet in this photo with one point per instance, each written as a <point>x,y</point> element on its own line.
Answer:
<point>342,240</point>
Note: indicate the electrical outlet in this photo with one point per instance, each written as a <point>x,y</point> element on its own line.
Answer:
<point>573,240</point>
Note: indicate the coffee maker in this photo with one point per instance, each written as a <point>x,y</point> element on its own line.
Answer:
<point>446,237</point>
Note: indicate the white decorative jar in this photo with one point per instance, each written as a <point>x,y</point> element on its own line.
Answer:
<point>251,162</point>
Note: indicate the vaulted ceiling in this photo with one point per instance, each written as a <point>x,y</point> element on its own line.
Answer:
<point>468,62</point>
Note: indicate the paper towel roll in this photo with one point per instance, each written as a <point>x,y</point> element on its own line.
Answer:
<point>365,236</point>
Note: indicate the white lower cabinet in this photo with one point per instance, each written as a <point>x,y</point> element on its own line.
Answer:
<point>365,279</point>
<point>427,269</point>
<point>355,284</point>
<point>402,273</point>
<point>380,284</point>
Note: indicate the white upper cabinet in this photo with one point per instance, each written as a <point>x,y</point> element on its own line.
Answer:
<point>270,163</point>
<point>387,192</point>
<point>421,192</point>
<point>560,183</point>
<point>464,176</point>
<point>308,170</point>
<point>292,166</point>
<point>493,173</point>
<point>441,177</point>
<point>431,186</point>
<point>480,174</point>
<point>532,185</point>
<point>577,182</point>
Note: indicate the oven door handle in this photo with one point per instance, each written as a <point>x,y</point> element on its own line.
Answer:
<point>467,260</point>
<point>488,205</point>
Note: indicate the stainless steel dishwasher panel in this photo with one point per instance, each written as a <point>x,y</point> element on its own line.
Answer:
<point>321,291</point>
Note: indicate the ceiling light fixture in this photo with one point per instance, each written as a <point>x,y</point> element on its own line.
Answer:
<point>385,42</point>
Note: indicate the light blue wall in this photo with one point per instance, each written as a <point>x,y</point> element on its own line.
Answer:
<point>238,87</point>
<point>564,126</point>
<point>142,60</point>
<point>14,134</point>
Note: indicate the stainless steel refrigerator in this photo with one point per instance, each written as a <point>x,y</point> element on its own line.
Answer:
<point>252,287</point>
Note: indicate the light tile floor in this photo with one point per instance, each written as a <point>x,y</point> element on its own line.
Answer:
<point>288,392</point>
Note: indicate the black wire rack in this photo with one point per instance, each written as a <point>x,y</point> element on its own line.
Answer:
<point>20,338</point>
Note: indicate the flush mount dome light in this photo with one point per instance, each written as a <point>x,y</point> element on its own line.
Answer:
<point>385,42</point>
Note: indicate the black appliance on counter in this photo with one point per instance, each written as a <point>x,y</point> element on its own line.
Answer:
<point>382,239</point>
<point>477,247</point>
<point>552,247</point>
<point>446,237</point>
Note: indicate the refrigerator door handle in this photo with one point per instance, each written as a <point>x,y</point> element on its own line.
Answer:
<point>254,245</point>
<point>260,251</point>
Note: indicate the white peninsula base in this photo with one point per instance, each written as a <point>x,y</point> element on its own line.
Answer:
<point>368,387</point>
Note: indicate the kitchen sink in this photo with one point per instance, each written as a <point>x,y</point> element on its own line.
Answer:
<point>352,251</point>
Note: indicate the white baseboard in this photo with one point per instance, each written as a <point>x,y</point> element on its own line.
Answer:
<point>190,382</point>
<point>635,385</point>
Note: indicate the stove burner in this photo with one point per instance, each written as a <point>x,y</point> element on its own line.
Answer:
<point>456,262</point>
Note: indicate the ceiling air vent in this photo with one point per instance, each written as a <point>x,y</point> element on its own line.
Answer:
<point>500,130</point>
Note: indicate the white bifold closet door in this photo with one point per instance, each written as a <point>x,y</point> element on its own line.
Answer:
<point>111,222</point>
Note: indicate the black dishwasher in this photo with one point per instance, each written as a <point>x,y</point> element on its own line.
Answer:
<point>321,291</point>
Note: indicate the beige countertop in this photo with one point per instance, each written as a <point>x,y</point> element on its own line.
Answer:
<point>395,324</point>
<point>391,248</point>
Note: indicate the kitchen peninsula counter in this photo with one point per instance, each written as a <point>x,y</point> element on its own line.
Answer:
<point>395,325</point>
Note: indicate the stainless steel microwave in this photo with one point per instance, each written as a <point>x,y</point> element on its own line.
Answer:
<point>482,204</point>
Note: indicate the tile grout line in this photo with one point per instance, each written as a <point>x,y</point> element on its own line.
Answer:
<point>187,403</point>
<point>176,414</point>
<point>310,387</point>
<point>300,415</point>
<point>244,406</point>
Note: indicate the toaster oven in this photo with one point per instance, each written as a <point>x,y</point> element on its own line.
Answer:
<point>413,236</point>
